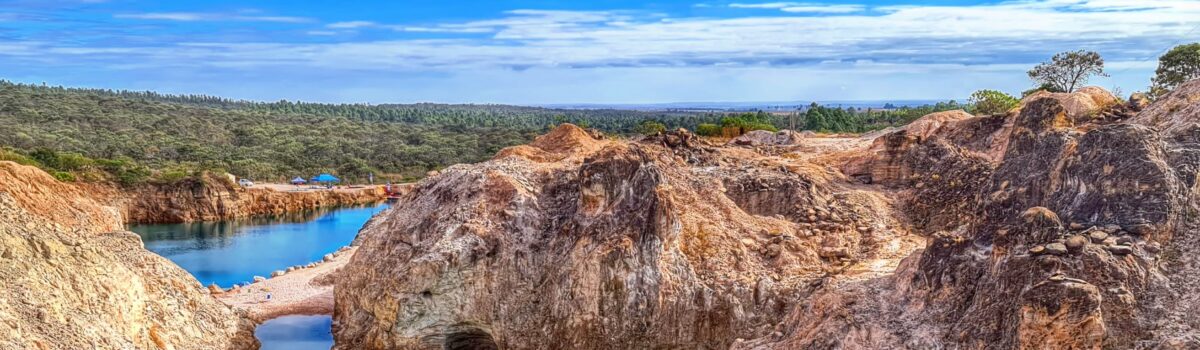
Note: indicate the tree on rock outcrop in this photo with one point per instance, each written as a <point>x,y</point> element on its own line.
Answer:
<point>1175,67</point>
<point>993,102</point>
<point>1067,71</point>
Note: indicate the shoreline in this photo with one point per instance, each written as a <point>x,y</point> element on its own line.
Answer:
<point>302,291</point>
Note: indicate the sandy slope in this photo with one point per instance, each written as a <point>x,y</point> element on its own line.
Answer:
<point>301,292</point>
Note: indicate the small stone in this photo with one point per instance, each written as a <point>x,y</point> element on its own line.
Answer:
<point>1058,277</point>
<point>1111,228</point>
<point>773,250</point>
<point>277,273</point>
<point>328,257</point>
<point>1120,249</point>
<point>1140,229</point>
<point>1076,226</point>
<point>1056,248</point>
<point>1037,250</point>
<point>1097,236</point>
<point>864,229</point>
<point>1076,242</point>
<point>291,269</point>
<point>1153,247</point>
<point>259,279</point>
<point>1125,240</point>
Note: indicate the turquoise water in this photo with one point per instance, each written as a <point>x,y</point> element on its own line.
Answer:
<point>231,252</point>
<point>296,333</point>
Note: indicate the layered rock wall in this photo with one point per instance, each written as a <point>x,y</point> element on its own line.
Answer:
<point>70,279</point>
<point>211,198</point>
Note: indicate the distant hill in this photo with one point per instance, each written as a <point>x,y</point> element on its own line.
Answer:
<point>133,136</point>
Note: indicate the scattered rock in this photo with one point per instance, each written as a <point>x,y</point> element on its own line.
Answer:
<point>1056,248</point>
<point>327,258</point>
<point>259,279</point>
<point>277,273</point>
<point>1097,236</point>
<point>1037,250</point>
<point>1153,247</point>
<point>1076,242</point>
<point>1120,249</point>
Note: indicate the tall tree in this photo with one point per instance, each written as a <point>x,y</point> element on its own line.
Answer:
<point>1067,71</point>
<point>1175,67</point>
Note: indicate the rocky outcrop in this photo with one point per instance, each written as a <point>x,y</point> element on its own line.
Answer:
<point>211,198</point>
<point>1066,249</point>
<point>581,242</point>
<point>767,138</point>
<point>70,279</point>
<point>1175,113</point>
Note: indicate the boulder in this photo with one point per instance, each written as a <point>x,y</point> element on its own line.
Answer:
<point>1056,249</point>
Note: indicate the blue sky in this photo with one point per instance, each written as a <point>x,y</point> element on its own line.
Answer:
<point>536,52</point>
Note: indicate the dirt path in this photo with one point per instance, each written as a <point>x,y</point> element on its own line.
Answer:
<point>309,188</point>
<point>304,291</point>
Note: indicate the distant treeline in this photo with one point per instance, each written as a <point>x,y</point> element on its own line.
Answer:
<point>130,137</point>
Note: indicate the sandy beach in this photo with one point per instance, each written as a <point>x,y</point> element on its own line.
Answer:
<point>305,291</point>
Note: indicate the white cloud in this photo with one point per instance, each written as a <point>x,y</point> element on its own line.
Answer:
<point>199,16</point>
<point>802,7</point>
<point>904,40</point>
<point>824,8</point>
<point>351,24</point>
<point>766,5</point>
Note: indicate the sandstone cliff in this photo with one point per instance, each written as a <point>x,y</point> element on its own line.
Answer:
<point>211,198</point>
<point>580,242</point>
<point>1065,223</point>
<point>1081,236</point>
<point>71,279</point>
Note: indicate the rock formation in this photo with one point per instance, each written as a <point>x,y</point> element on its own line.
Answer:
<point>71,279</point>
<point>1065,223</point>
<point>579,242</point>
<point>211,198</point>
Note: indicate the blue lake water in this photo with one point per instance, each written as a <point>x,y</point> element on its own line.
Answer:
<point>296,333</point>
<point>230,252</point>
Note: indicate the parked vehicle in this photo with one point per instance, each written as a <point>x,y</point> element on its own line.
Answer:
<point>245,182</point>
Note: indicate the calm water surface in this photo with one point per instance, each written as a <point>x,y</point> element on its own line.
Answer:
<point>296,333</point>
<point>230,252</point>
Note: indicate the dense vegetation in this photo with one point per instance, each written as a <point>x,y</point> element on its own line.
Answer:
<point>130,137</point>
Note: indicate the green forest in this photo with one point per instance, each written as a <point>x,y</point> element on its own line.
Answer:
<point>132,137</point>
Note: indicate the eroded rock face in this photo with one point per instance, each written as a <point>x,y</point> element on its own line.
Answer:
<point>1066,223</point>
<point>585,243</point>
<point>1064,249</point>
<point>212,198</point>
<point>69,281</point>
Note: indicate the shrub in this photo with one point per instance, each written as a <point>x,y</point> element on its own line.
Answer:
<point>993,102</point>
<point>64,176</point>
<point>650,127</point>
<point>706,129</point>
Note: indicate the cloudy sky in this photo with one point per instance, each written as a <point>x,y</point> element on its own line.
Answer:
<point>583,51</point>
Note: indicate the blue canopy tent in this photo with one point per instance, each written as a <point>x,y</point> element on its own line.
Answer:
<point>326,178</point>
<point>298,180</point>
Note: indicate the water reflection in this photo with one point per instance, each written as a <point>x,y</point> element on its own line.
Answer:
<point>296,333</point>
<point>229,252</point>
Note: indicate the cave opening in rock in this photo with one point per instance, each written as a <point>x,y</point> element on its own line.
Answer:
<point>469,339</point>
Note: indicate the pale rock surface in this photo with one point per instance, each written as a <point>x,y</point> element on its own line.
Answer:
<point>70,279</point>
